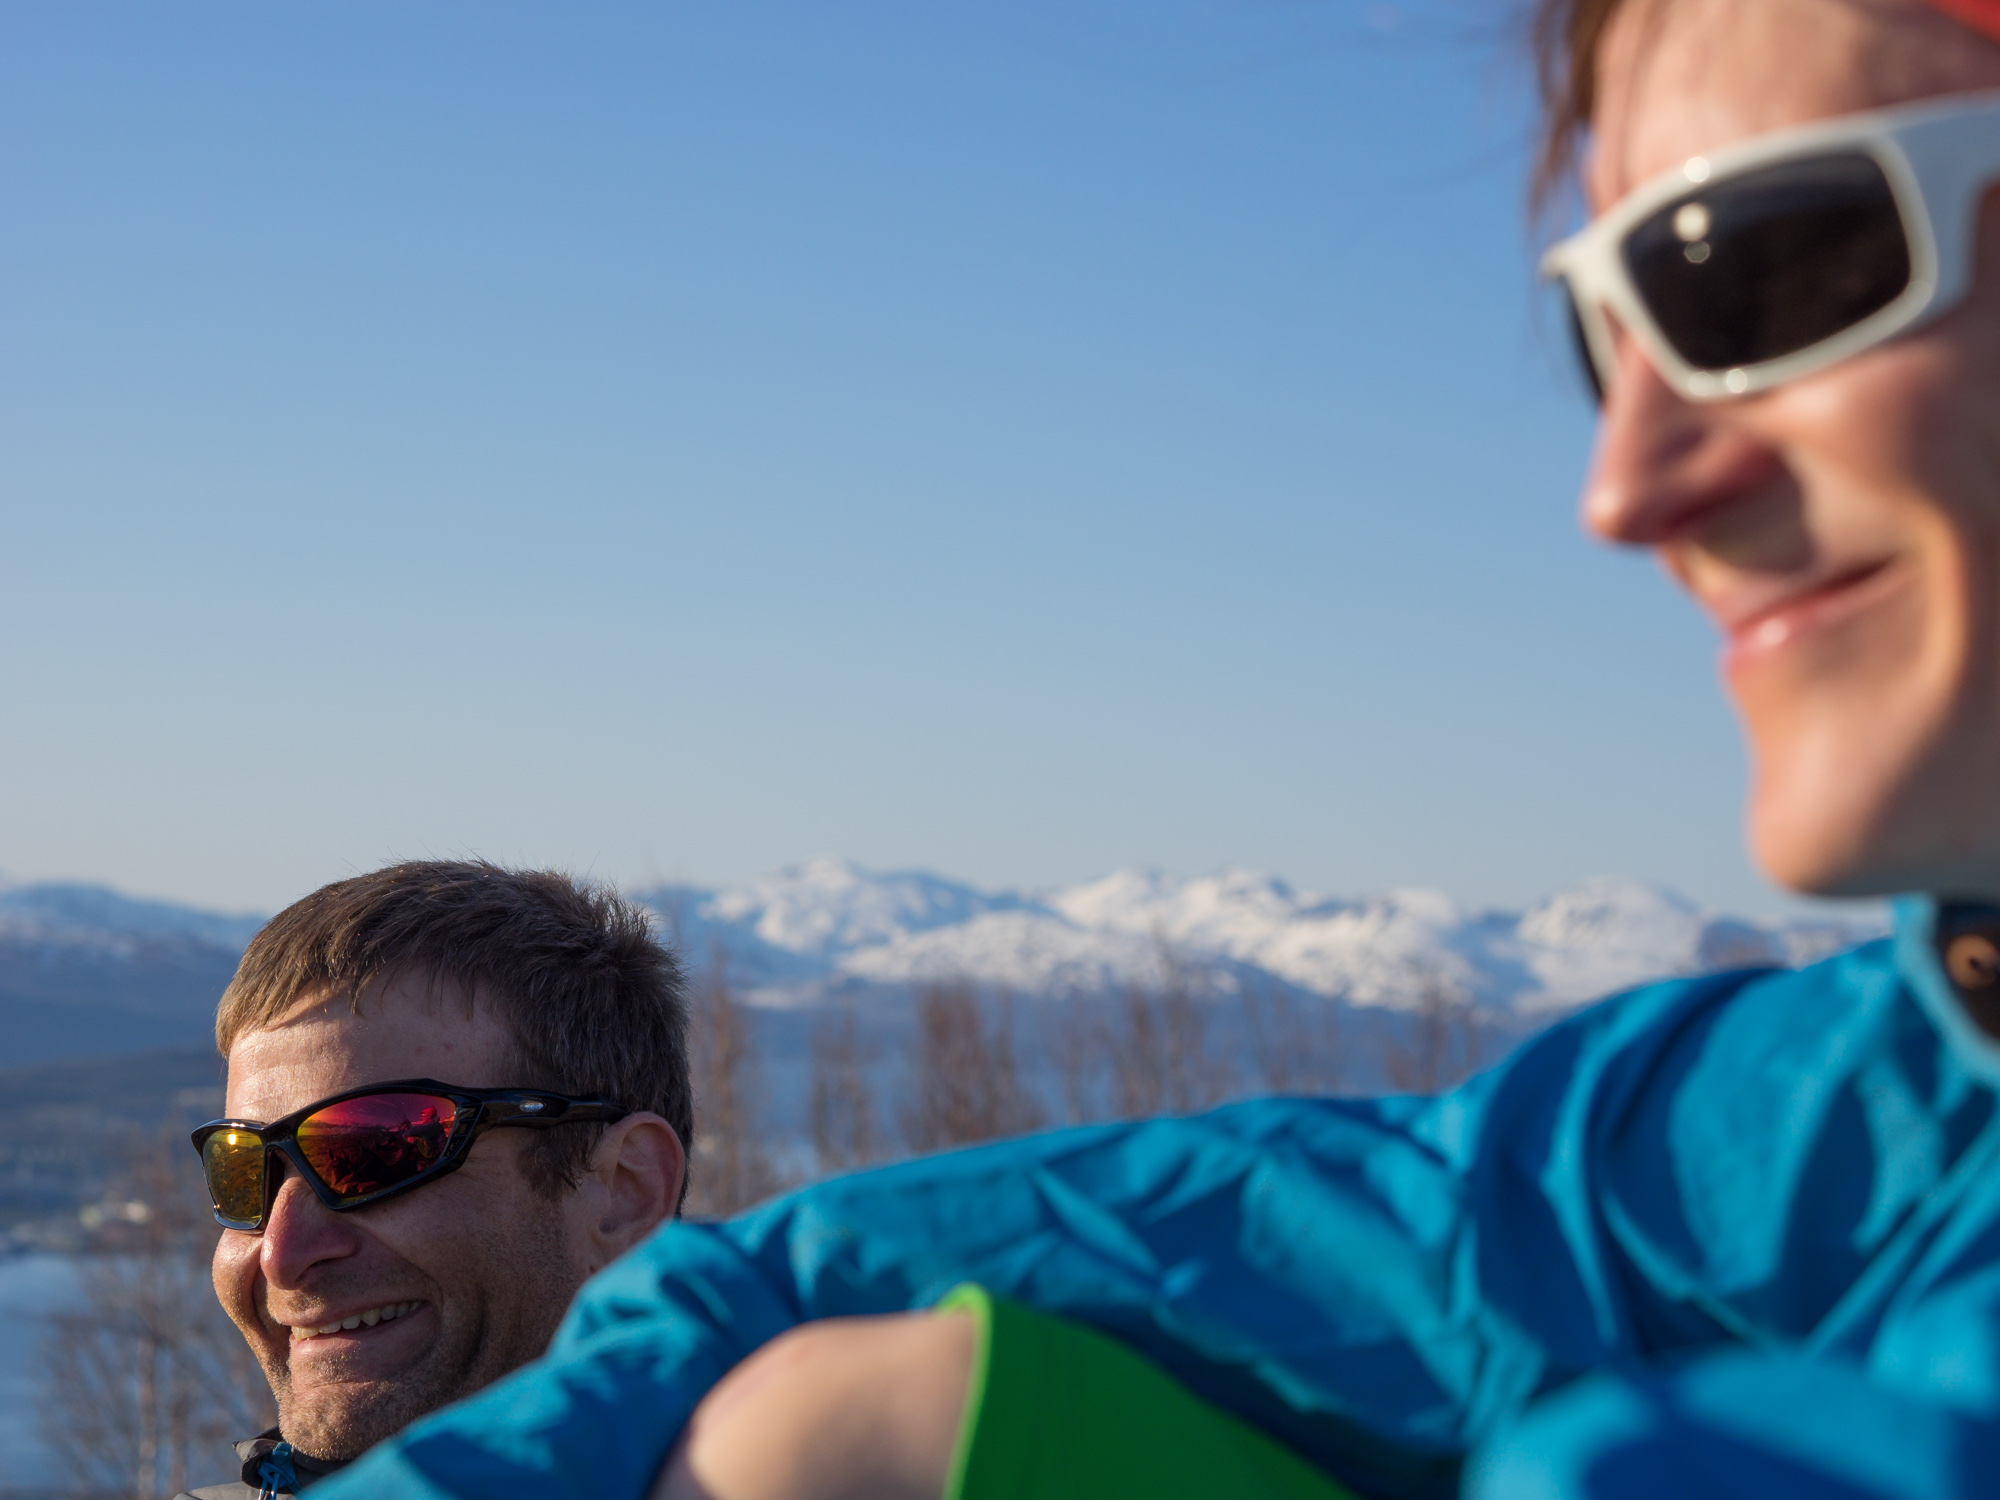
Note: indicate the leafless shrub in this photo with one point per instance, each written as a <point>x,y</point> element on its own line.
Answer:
<point>841,1103</point>
<point>1294,1048</point>
<point>148,1382</point>
<point>731,1166</point>
<point>966,1086</point>
<point>1441,1043</point>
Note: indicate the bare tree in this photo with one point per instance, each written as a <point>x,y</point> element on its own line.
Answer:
<point>731,1164</point>
<point>148,1382</point>
<point>1163,1062</point>
<point>1138,1062</point>
<point>1078,1046</point>
<point>841,1103</point>
<point>966,1086</point>
<point>1441,1043</point>
<point>1294,1048</point>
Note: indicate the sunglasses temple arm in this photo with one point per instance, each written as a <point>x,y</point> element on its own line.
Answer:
<point>542,1112</point>
<point>1593,332</point>
<point>1955,167</point>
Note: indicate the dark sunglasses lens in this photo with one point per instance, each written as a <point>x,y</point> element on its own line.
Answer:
<point>362,1146</point>
<point>233,1161</point>
<point>1579,343</point>
<point>1765,264</point>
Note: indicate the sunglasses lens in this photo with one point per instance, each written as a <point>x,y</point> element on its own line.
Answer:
<point>1765,264</point>
<point>1580,345</point>
<point>362,1146</point>
<point>233,1162</point>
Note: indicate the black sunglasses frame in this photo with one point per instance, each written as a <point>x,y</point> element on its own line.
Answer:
<point>534,1109</point>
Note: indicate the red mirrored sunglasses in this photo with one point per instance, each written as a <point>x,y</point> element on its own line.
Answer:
<point>370,1143</point>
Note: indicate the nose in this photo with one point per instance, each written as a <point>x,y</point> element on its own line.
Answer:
<point>1663,461</point>
<point>300,1233</point>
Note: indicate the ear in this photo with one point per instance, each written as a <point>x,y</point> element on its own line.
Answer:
<point>630,1184</point>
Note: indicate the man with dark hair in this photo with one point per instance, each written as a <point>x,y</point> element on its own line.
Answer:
<point>388,1246</point>
<point>1733,1235</point>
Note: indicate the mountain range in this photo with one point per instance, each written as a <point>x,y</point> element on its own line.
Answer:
<point>85,970</point>
<point>828,925</point>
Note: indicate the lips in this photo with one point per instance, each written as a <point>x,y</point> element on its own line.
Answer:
<point>368,1318</point>
<point>1759,622</point>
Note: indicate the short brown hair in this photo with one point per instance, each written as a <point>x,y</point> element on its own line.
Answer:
<point>596,1004</point>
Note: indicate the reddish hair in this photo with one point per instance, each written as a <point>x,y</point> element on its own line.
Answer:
<point>1566,36</point>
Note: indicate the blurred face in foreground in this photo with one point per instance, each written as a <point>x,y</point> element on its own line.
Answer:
<point>366,1320</point>
<point>1842,530</point>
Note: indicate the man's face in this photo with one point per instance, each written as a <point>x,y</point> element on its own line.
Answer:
<point>481,1266</point>
<point>1842,530</point>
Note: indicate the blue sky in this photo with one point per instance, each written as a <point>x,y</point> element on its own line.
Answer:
<point>672,440</point>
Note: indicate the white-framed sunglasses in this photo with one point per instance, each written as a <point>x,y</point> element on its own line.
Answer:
<point>1782,254</point>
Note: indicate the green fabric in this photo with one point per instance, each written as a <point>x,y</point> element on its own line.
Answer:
<point>1057,1411</point>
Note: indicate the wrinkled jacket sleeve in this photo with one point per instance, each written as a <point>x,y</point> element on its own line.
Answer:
<point>1545,1269</point>
<point>1738,1425</point>
<point>1301,1262</point>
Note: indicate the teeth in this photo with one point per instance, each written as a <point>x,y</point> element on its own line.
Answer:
<point>366,1319</point>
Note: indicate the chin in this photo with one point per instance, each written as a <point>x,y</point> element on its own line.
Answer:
<point>336,1436</point>
<point>1809,871</point>
<point>348,1427</point>
<point>1872,776</point>
<point>1841,836</point>
<point>1817,827</point>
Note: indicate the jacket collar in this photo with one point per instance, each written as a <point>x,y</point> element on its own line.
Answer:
<point>263,1450</point>
<point>1948,953</point>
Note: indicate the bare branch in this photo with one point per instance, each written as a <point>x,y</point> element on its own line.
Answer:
<point>841,1103</point>
<point>1441,1042</point>
<point>148,1382</point>
<point>1295,1048</point>
<point>1078,1046</point>
<point>1163,1061</point>
<point>966,1087</point>
<point>731,1166</point>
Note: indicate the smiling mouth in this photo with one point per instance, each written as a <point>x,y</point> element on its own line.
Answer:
<point>368,1319</point>
<point>1825,604</point>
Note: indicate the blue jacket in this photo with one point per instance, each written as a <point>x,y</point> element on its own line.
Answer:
<point>1735,1235</point>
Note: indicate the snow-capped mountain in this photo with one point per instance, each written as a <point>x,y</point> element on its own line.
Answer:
<point>798,933</point>
<point>85,970</point>
<point>97,915</point>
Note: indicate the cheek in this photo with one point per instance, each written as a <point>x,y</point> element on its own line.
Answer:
<point>465,1219</point>
<point>1880,426</point>
<point>233,1270</point>
<point>1853,691</point>
<point>1925,446</point>
<point>1872,743</point>
<point>1921,417</point>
